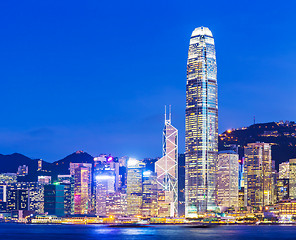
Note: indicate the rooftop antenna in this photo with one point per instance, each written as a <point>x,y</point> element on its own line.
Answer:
<point>170,113</point>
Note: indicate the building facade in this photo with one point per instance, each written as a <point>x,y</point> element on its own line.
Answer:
<point>68,182</point>
<point>284,170</point>
<point>292,178</point>
<point>17,199</point>
<point>134,191</point>
<point>201,137</point>
<point>82,187</point>
<point>227,179</point>
<point>282,189</point>
<point>149,204</point>
<point>54,199</point>
<point>181,185</point>
<point>259,186</point>
<point>105,185</point>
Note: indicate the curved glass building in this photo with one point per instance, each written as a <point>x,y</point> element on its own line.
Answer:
<point>201,124</point>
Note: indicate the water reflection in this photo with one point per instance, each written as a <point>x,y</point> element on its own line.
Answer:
<point>160,232</point>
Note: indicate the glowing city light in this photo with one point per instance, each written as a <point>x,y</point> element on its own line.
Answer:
<point>146,173</point>
<point>104,177</point>
<point>132,162</point>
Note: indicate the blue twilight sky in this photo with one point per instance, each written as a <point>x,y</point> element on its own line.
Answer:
<point>95,75</point>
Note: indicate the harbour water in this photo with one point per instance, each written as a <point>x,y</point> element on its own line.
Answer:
<point>165,232</point>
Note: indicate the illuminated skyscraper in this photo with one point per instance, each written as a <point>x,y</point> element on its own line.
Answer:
<point>134,190</point>
<point>105,182</point>
<point>259,189</point>
<point>149,205</point>
<point>292,178</point>
<point>68,182</point>
<point>284,170</point>
<point>201,135</point>
<point>227,179</point>
<point>54,199</point>
<point>17,199</point>
<point>167,167</point>
<point>35,194</point>
<point>82,187</point>
<point>116,204</point>
<point>3,193</point>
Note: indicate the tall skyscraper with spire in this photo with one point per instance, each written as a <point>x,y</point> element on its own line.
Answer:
<point>201,135</point>
<point>167,166</point>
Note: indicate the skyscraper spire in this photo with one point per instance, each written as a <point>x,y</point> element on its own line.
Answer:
<point>167,120</point>
<point>170,113</point>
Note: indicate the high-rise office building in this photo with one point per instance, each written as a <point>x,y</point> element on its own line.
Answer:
<point>17,199</point>
<point>149,204</point>
<point>167,166</point>
<point>35,194</point>
<point>68,182</point>
<point>201,137</point>
<point>82,187</point>
<point>181,185</point>
<point>241,183</point>
<point>105,183</point>
<point>116,204</point>
<point>3,193</point>
<point>284,170</point>
<point>54,199</point>
<point>107,162</point>
<point>259,189</point>
<point>292,178</point>
<point>227,179</point>
<point>134,191</point>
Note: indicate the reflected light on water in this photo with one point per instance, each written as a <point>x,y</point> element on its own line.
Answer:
<point>137,231</point>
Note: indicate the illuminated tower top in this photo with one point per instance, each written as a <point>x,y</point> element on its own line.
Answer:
<point>202,31</point>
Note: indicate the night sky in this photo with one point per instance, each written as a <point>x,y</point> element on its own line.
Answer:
<point>95,75</point>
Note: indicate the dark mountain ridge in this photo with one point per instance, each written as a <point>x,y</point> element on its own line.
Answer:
<point>10,163</point>
<point>282,136</point>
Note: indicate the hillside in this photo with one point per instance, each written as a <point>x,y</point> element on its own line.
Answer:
<point>62,166</point>
<point>10,163</point>
<point>282,135</point>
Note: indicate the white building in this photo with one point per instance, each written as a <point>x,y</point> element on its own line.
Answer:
<point>227,179</point>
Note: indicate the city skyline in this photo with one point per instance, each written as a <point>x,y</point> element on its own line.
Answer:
<point>92,78</point>
<point>62,91</point>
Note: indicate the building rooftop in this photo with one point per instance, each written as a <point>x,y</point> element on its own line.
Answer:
<point>227,151</point>
<point>202,31</point>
